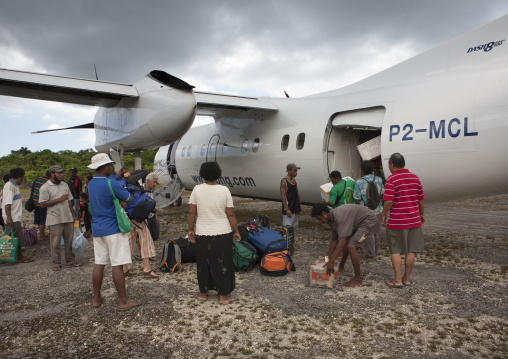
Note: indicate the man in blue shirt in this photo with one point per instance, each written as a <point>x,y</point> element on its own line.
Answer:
<point>111,246</point>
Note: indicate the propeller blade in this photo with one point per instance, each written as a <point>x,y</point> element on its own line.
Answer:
<point>86,125</point>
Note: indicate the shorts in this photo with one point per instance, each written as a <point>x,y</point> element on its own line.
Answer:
<point>113,249</point>
<point>364,234</point>
<point>361,237</point>
<point>292,222</point>
<point>404,241</point>
<point>40,215</point>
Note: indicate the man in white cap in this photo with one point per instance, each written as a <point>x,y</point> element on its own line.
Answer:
<point>57,198</point>
<point>290,197</point>
<point>111,246</point>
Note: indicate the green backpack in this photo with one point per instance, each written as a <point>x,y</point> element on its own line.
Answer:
<point>245,256</point>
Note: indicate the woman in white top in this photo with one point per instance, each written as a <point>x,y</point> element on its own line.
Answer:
<point>215,230</point>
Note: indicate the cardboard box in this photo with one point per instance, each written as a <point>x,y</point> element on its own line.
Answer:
<point>318,276</point>
<point>325,191</point>
<point>370,149</point>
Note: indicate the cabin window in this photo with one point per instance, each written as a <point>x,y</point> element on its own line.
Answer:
<point>300,141</point>
<point>285,142</point>
<point>203,150</point>
<point>225,148</point>
<point>183,152</point>
<point>211,152</point>
<point>189,151</point>
<point>245,143</point>
<point>255,145</point>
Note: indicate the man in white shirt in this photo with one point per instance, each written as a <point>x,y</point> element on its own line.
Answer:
<point>12,209</point>
<point>57,198</point>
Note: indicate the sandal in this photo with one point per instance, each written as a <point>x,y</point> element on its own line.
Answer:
<point>232,300</point>
<point>56,268</point>
<point>25,260</point>
<point>151,274</point>
<point>129,273</point>
<point>75,264</point>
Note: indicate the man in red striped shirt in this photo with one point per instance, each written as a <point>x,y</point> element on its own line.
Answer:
<point>404,199</point>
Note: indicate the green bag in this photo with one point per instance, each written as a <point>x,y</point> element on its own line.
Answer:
<point>245,256</point>
<point>124,223</point>
<point>8,248</point>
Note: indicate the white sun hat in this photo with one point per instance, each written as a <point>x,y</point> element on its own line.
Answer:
<point>98,160</point>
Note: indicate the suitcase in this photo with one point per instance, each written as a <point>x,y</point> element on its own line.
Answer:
<point>267,240</point>
<point>288,233</point>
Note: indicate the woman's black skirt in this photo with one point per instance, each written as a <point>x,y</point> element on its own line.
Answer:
<point>215,267</point>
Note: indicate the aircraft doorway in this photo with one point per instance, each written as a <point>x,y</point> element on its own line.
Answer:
<point>211,153</point>
<point>345,132</point>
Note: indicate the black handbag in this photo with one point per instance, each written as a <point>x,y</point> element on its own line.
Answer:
<point>30,204</point>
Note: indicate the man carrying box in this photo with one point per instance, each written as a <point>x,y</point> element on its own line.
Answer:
<point>352,226</point>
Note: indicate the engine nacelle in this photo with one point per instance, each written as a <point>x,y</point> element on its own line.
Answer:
<point>163,112</point>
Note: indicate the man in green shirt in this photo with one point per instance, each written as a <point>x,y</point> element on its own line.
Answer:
<point>342,190</point>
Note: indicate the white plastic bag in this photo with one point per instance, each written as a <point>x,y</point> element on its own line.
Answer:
<point>79,242</point>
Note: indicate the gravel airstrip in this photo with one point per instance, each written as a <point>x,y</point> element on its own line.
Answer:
<point>456,308</point>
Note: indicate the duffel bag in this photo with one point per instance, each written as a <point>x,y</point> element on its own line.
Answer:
<point>29,236</point>
<point>276,264</point>
<point>267,240</point>
<point>171,258</point>
<point>187,249</point>
<point>259,220</point>
<point>245,256</point>
<point>288,233</point>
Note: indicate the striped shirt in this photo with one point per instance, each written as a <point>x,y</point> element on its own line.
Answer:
<point>36,185</point>
<point>405,190</point>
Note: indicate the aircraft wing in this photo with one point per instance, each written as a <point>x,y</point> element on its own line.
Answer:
<point>63,89</point>
<point>209,104</point>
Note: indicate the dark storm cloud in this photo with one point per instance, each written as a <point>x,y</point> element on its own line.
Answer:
<point>126,39</point>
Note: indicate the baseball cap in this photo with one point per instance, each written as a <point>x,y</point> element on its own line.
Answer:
<point>55,169</point>
<point>73,170</point>
<point>99,160</point>
<point>292,166</point>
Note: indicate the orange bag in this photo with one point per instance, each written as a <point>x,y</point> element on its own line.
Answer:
<point>276,264</point>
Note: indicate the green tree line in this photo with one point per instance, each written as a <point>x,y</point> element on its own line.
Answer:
<point>37,163</point>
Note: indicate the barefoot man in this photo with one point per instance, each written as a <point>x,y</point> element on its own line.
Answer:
<point>111,246</point>
<point>352,226</point>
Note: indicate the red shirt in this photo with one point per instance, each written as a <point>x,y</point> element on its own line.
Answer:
<point>405,190</point>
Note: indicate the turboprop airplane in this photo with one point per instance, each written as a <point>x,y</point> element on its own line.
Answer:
<point>445,110</point>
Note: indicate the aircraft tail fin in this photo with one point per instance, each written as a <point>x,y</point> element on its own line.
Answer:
<point>482,49</point>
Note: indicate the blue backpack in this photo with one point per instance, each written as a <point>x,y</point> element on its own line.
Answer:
<point>141,205</point>
<point>267,240</point>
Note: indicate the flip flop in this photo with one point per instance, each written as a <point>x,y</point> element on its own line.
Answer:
<point>75,264</point>
<point>390,284</point>
<point>233,299</point>
<point>138,258</point>
<point>129,273</point>
<point>56,268</point>
<point>153,259</point>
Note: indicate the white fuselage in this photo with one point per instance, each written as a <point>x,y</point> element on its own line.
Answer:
<point>451,131</point>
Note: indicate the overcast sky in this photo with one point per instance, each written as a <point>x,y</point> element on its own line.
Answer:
<point>251,48</point>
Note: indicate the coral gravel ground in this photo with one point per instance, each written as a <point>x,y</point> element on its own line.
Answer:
<point>456,307</point>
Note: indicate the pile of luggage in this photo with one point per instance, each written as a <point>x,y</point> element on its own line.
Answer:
<point>272,248</point>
